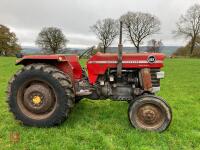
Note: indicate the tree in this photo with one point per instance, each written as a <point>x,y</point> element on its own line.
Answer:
<point>198,41</point>
<point>106,31</point>
<point>51,39</point>
<point>154,46</point>
<point>183,51</point>
<point>100,47</point>
<point>8,42</point>
<point>138,26</point>
<point>189,25</point>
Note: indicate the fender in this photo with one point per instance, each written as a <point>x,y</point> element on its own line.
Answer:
<point>69,64</point>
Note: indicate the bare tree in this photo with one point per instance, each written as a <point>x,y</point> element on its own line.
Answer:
<point>52,39</point>
<point>106,30</point>
<point>138,26</point>
<point>189,25</point>
<point>183,51</point>
<point>154,46</point>
<point>198,41</point>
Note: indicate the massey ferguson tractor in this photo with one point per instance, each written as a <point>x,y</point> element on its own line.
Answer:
<point>44,91</point>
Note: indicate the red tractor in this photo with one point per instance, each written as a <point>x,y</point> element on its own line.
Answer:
<point>44,91</point>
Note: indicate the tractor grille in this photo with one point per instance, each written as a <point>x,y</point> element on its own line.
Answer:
<point>155,81</point>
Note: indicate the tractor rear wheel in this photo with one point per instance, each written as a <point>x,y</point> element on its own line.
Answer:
<point>40,95</point>
<point>149,112</point>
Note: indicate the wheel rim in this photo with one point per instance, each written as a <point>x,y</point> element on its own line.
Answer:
<point>149,116</point>
<point>36,99</point>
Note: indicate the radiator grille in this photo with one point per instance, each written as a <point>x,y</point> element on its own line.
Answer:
<point>155,81</point>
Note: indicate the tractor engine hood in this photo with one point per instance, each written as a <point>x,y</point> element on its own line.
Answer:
<point>148,60</point>
<point>99,63</point>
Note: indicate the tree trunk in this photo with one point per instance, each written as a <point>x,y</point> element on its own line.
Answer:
<point>138,49</point>
<point>5,53</point>
<point>104,49</point>
<point>54,51</point>
<point>192,45</point>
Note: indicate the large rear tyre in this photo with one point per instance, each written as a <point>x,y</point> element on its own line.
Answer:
<point>150,113</point>
<point>40,95</point>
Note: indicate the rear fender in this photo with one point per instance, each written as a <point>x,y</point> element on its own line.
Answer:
<point>60,62</point>
<point>67,68</point>
<point>49,59</point>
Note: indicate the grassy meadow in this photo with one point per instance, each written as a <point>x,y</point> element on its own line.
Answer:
<point>105,125</point>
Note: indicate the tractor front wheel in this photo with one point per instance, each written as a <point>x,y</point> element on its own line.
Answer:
<point>40,95</point>
<point>149,112</point>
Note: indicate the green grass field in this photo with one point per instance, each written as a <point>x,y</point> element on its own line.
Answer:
<point>105,125</point>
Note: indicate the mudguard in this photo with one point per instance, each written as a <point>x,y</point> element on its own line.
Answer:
<point>69,64</point>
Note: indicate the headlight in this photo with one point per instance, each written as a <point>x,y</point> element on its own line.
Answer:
<point>160,75</point>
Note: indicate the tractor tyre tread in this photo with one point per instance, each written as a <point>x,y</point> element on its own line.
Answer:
<point>66,103</point>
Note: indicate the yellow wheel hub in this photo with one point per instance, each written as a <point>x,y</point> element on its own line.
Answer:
<point>36,100</point>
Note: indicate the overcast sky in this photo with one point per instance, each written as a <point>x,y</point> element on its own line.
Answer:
<point>27,17</point>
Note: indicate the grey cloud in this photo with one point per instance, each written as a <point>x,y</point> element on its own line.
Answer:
<point>27,17</point>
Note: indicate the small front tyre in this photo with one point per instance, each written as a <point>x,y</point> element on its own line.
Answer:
<point>149,112</point>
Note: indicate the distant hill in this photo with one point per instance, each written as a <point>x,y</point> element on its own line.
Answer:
<point>168,50</point>
<point>31,50</point>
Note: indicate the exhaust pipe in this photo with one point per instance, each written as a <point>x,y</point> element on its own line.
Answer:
<point>120,47</point>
